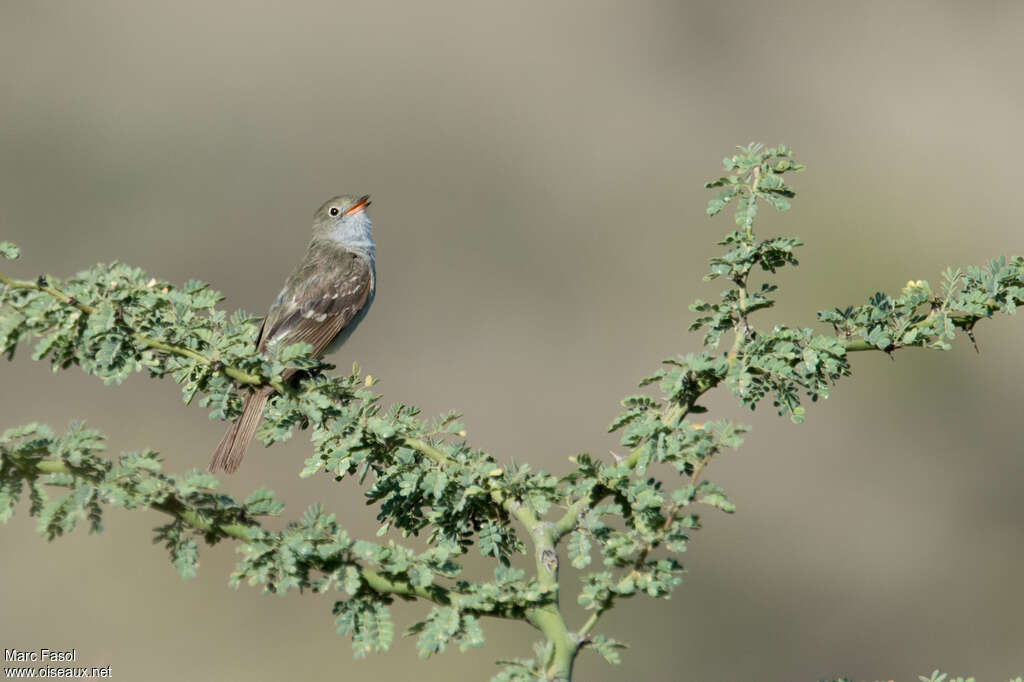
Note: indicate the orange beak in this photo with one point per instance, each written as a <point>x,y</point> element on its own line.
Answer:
<point>360,205</point>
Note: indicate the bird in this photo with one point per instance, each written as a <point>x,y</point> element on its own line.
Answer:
<point>322,302</point>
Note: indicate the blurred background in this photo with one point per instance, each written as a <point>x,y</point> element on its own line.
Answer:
<point>537,170</point>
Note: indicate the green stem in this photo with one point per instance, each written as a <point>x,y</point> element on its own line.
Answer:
<point>548,617</point>
<point>753,199</point>
<point>592,621</point>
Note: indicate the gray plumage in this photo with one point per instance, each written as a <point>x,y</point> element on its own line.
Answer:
<point>321,303</point>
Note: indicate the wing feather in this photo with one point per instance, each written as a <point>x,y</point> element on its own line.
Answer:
<point>319,303</point>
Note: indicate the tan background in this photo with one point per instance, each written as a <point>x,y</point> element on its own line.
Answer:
<point>536,171</point>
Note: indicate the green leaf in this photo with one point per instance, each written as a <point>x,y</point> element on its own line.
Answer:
<point>579,549</point>
<point>9,251</point>
<point>608,648</point>
<point>262,502</point>
<point>186,558</point>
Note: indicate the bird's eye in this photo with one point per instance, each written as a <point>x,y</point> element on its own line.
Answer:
<point>334,210</point>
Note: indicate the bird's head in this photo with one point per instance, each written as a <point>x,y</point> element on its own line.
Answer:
<point>344,220</point>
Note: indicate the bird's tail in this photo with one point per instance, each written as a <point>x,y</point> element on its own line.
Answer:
<point>232,447</point>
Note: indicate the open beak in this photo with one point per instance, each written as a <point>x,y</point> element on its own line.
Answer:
<point>359,206</point>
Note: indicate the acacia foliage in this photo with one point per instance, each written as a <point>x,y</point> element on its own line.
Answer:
<point>622,523</point>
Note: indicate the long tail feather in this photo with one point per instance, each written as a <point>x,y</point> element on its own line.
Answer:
<point>232,447</point>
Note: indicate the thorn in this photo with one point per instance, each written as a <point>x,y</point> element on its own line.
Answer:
<point>618,457</point>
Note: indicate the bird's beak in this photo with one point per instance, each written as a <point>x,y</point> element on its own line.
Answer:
<point>359,206</point>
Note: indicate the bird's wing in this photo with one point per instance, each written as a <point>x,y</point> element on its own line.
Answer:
<point>318,302</point>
